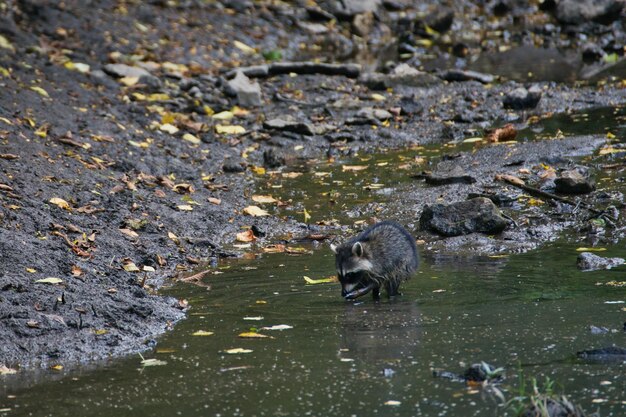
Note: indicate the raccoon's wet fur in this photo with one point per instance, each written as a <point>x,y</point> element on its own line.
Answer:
<point>384,254</point>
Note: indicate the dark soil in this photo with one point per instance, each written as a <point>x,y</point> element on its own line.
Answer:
<point>135,210</point>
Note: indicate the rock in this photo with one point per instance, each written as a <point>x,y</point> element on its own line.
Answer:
<point>440,20</point>
<point>123,70</point>
<point>574,181</point>
<point>288,123</point>
<point>374,114</point>
<point>599,330</point>
<point>465,217</point>
<point>521,98</point>
<point>362,24</point>
<point>231,166</point>
<point>607,354</point>
<point>461,75</point>
<point>589,262</point>
<point>581,11</point>
<point>273,159</point>
<point>403,74</point>
<point>592,53</point>
<point>346,9</point>
<point>248,93</point>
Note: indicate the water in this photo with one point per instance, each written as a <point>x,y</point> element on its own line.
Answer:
<point>527,313</point>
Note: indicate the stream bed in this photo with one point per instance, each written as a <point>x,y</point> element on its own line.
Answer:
<point>528,313</point>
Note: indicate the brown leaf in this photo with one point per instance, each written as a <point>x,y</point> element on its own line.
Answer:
<point>278,248</point>
<point>511,179</point>
<point>255,211</point>
<point>501,134</point>
<point>246,236</point>
<point>76,271</point>
<point>129,233</point>
<point>183,188</point>
<point>215,201</point>
<point>8,156</point>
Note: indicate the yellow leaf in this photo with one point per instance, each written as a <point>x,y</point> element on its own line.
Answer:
<point>264,199</point>
<point>224,115</point>
<point>31,270</point>
<point>130,267</point>
<point>40,91</point>
<point>208,110</point>
<point>100,332</point>
<point>472,140</point>
<point>202,333</point>
<point>173,237</point>
<point>42,132</point>
<point>230,129</point>
<point>59,202</point>
<point>158,97</point>
<point>50,280</point>
<point>258,170</point>
<point>7,121</point>
<point>191,138</point>
<point>243,47</point>
<point>610,135</point>
<point>307,216</point>
<point>253,335</point>
<point>354,167</point>
<point>57,367</point>
<point>129,81</point>
<point>169,128</point>
<point>378,97</point>
<point>237,350</point>
<point>582,249</point>
<point>4,43</point>
<point>185,207</point>
<point>320,281</point>
<point>255,211</point>
<point>77,66</point>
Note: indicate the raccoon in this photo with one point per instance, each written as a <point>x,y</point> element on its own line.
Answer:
<point>384,254</point>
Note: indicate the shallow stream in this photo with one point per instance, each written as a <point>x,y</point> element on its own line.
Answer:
<point>527,313</point>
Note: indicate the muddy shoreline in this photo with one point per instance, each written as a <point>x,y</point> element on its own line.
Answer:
<point>116,183</point>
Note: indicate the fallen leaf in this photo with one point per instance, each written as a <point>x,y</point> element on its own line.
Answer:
<point>393,402</point>
<point>583,249</point>
<point>184,207</point>
<point>277,248</point>
<point>237,350</point>
<point>247,236</point>
<point>202,333</point>
<point>191,138</point>
<point>130,267</point>
<point>354,167</point>
<point>40,91</point>
<point>253,335</point>
<point>50,280</point>
<point>320,281</point>
<point>215,201</point>
<point>244,48</point>
<point>169,128</point>
<point>378,97</point>
<point>264,199</point>
<point>278,327</point>
<point>230,129</point>
<point>255,211</point>
<point>153,362</point>
<point>8,156</point>
<point>129,232</point>
<point>224,115</point>
<point>31,270</point>
<point>59,202</point>
<point>307,216</point>
<point>76,271</point>
<point>501,134</point>
<point>5,44</point>
<point>255,318</point>
<point>173,237</point>
<point>7,371</point>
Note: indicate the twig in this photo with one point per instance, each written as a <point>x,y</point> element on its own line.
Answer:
<point>306,67</point>
<point>517,182</point>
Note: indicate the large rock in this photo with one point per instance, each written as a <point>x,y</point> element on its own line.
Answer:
<point>289,123</point>
<point>348,8</point>
<point>123,70</point>
<point>580,11</point>
<point>248,93</point>
<point>521,98</point>
<point>589,262</point>
<point>465,217</point>
<point>574,181</point>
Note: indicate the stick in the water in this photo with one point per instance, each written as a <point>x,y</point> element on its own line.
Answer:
<point>359,292</point>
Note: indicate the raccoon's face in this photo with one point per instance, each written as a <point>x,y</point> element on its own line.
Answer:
<point>352,266</point>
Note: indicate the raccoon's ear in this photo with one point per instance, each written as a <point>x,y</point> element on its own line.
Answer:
<point>333,247</point>
<point>357,249</point>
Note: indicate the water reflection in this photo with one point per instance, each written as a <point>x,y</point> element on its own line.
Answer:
<point>380,331</point>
